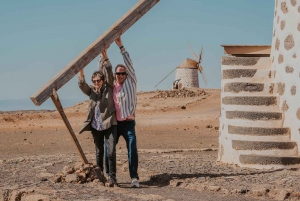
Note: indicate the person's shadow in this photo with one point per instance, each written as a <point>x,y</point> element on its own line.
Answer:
<point>164,179</point>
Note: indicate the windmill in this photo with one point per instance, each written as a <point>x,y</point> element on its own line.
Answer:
<point>200,68</point>
<point>187,72</point>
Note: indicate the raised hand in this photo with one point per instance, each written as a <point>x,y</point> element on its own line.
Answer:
<point>80,76</point>
<point>104,53</point>
<point>118,41</point>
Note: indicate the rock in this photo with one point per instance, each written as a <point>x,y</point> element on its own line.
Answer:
<point>4,194</point>
<point>259,191</point>
<point>201,187</point>
<point>96,181</point>
<point>175,183</point>
<point>72,178</point>
<point>68,170</point>
<point>82,176</point>
<point>295,195</point>
<point>181,93</point>
<point>201,179</point>
<point>279,194</point>
<point>16,195</point>
<point>46,175</point>
<point>78,165</point>
<point>224,191</point>
<point>96,173</point>
<point>86,168</point>
<point>57,178</point>
<point>183,107</point>
<point>213,188</point>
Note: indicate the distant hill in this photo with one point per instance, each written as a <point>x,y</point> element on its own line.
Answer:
<point>27,104</point>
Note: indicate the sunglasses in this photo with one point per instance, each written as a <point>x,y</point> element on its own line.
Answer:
<point>94,81</point>
<point>121,73</point>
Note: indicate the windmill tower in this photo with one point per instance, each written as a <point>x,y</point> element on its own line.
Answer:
<point>187,72</point>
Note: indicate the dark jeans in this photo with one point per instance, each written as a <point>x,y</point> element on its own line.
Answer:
<point>110,136</point>
<point>127,130</point>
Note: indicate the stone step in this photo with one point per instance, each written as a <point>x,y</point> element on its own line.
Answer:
<point>259,108</point>
<point>254,116</point>
<point>248,75</point>
<point>257,131</point>
<point>269,160</point>
<point>250,100</point>
<point>262,145</point>
<point>249,87</point>
<point>251,123</point>
<point>246,62</point>
<point>265,138</point>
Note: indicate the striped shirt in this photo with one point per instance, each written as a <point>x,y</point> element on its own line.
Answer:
<point>126,97</point>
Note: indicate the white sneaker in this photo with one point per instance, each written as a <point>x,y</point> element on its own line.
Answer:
<point>134,183</point>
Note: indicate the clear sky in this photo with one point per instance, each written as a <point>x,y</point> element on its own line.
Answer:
<point>39,38</point>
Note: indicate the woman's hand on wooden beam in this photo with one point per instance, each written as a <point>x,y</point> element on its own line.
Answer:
<point>81,74</point>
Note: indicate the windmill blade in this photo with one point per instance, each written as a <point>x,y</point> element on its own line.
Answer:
<point>200,55</point>
<point>192,51</point>
<point>200,68</point>
<point>165,77</point>
<point>204,78</point>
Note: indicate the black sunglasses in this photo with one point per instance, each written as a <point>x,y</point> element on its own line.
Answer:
<point>121,73</point>
<point>94,81</point>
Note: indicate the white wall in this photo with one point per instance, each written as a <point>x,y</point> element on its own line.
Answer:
<point>285,55</point>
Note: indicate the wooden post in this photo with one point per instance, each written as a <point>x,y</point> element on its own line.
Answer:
<point>92,51</point>
<point>57,103</point>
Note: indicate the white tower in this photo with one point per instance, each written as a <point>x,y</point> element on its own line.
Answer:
<point>187,72</point>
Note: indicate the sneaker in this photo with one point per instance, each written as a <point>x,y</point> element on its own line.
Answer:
<point>112,182</point>
<point>134,183</point>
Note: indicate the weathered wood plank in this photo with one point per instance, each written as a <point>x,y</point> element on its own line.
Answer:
<point>57,103</point>
<point>92,51</point>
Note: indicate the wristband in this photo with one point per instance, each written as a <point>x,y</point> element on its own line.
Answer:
<point>121,47</point>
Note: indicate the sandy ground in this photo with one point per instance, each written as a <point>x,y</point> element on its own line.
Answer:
<point>160,124</point>
<point>177,142</point>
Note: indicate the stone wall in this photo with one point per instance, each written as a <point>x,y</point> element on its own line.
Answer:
<point>285,55</point>
<point>188,76</point>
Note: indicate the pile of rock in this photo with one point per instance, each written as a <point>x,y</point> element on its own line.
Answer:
<point>80,173</point>
<point>181,93</point>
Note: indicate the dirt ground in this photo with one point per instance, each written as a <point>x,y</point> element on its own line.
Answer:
<point>161,123</point>
<point>177,136</point>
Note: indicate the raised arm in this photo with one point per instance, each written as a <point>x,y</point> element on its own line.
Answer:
<point>127,60</point>
<point>85,88</point>
<point>105,66</point>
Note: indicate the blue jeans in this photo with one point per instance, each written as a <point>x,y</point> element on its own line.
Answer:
<point>127,130</point>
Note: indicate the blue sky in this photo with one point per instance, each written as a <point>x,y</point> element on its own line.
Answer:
<point>39,38</point>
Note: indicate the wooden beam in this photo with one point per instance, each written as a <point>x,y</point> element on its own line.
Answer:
<point>92,51</point>
<point>57,103</point>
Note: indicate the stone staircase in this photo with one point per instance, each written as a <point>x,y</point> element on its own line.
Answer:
<point>251,124</point>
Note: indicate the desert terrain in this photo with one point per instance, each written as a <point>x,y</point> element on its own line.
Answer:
<point>177,136</point>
